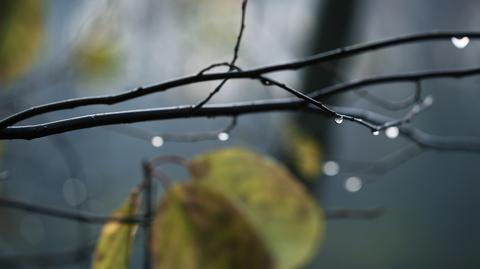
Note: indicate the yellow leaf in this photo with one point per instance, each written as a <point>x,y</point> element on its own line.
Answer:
<point>279,208</point>
<point>304,151</point>
<point>198,228</point>
<point>115,242</point>
<point>21,30</point>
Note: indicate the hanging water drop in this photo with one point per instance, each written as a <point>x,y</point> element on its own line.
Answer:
<point>460,43</point>
<point>339,119</point>
<point>428,101</point>
<point>392,132</point>
<point>157,141</point>
<point>375,132</point>
<point>223,136</point>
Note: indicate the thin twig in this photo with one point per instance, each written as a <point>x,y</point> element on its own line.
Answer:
<point>47,259</point>
<point>232,62</point>
<point>147,135</point>
<point>148,214</point>
<point>392,105</point>
<point>64,214</point>
<point>382,165</point>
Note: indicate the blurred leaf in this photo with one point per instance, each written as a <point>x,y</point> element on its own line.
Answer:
<point>97,51</point>
<point>198,228</point>
<point>280,209</point>
<point>304,151</point>
<point>21,31</point>
<point>97,56</point>
<point>115,242</point>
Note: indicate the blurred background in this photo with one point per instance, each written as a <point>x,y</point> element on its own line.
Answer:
<point>54,50</point>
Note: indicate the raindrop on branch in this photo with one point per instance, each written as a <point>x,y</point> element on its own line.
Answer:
<point>392,132</point>
<point>223,136</point>
<point>375,132</point>
<point>460,43</point>
<point>339,119</point>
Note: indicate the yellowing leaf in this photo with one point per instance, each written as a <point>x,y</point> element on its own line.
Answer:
<point>198,228</point>
<point>21,30</point>
<point>279,208</point>
<point>304,152</point>
<point>115,242</point>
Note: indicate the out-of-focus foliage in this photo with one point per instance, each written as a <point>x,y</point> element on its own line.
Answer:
<point>97,56</point>
<point>114,245</point>
<point>21,31</point>
<point>304,152</point>
<point>97,51</point>
<point>280,209</point>
<point>196,227</point>
<point>241,210</point>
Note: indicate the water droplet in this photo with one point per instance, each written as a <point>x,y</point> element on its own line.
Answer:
<point>460,43</point>
<point>331,168</point>
<point>157,141</point>
<point>223,136</point>
<point>428,101</point>
<point>353,184</point>
<point>339,119</point>
<point>392,132</point>
<point>375,132</point>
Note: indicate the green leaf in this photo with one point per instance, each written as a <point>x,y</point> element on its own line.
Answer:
<point>279,208</point>
<point>115,242</point>
<point>196,227</point>
<point>21,32</point>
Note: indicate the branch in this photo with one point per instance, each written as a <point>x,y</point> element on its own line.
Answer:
<point>421,138</point>
<point>252,74</point>
<point>50,259</point>
<point>64,214</point>
<point>83,122</point>
<point>416,76</point>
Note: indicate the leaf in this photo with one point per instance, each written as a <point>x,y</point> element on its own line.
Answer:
<point>97,53</point>
<point>196,227</point>
<point>304,151</point>
<point>115,242</point>
<point>97,56</point>
<point>279,208</point>
<point>21,31</point>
